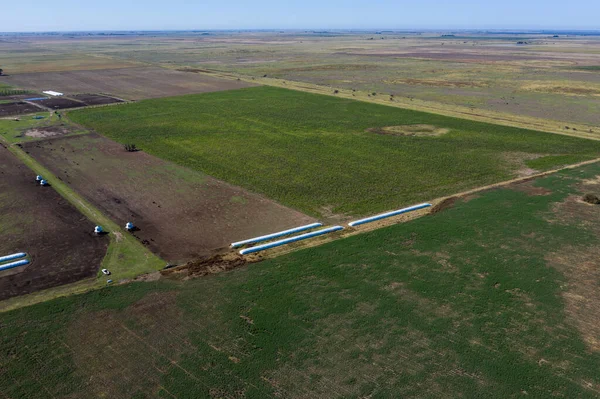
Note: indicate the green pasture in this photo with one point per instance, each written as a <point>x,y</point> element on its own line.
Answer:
<point>468,302</point>
<point>314,152</point>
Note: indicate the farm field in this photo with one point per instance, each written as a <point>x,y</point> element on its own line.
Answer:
<point>493,297</point>
<point>95,99</point>
<point>19,56</point>
<point>127,83</point>
<point>554,78</point>
<point>38,221</point>
<point>8,108</point>
<point>182,215</point>
<point>327,156</point>
<point>57,103</point>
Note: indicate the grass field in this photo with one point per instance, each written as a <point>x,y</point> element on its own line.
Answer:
<point>495,297</point>
<point>314,152</point>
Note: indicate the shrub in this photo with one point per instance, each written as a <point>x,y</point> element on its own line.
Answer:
<point>131,148</point>
<point>591,199</point>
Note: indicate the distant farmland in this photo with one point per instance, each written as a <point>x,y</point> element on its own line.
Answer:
<point>324,155</point>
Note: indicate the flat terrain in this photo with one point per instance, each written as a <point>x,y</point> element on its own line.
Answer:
<point>555,78</point>
<point>181,214</point>
<point>43,55</point>
<point>549,81</point>
<point>128,83</point>
<point>38,221</point>
<point>326,156</point>
<point>95,99</point>
<point>57,103</point>
<point>17,107</point>
<point>494,297</point>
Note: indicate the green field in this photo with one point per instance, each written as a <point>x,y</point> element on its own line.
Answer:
<point>314,152</point>
<point>477,301</point>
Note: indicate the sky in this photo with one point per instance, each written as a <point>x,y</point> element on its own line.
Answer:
<point>86,15</point>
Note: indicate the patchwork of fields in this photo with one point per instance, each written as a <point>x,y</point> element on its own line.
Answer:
<point>492,293</point>
<point>327,156</point>
<point>181,215</point>
<point>495,297</point>
<point>38,221</point>
<point>128,83</point>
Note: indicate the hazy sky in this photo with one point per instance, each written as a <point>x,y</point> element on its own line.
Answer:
<point>65,15</point>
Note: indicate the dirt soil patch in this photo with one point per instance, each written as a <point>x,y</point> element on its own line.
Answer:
<point>38,221</point>
<point>182,215</point>
<point>212,265</point>
<point>95,99</point>
<point>59,103</point>
<point>445,204</point>
<point>47,131</point>
<point>410,130</point>
<point>127,83</point>
<point>529,188</point>
<point>18,108</point>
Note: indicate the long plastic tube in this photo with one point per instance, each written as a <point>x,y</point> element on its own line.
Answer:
<point>12,265</point>
<point>12,257</point>
<point>275,235</point>
<point>388,214</point>
<point>290,240</point>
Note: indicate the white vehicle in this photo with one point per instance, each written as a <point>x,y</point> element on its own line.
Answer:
<point>106,271</point>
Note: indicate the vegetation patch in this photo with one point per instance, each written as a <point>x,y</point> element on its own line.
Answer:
<point>411,130</point>
<point>439,83</point>
<point>552,161</point>
<point>565,89</point>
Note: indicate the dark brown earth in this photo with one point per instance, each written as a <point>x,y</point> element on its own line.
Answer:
<point>59,103</point>
<point>95,99</point>
<point>38,221</point>
<point>18,108</point>
<point>127,83</point>
<point>212,265</point>
<point>445,204</point>
<point>182,214</point>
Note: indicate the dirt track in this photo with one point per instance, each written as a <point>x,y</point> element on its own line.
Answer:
<point>182,214</point>
<point>38,221</point>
